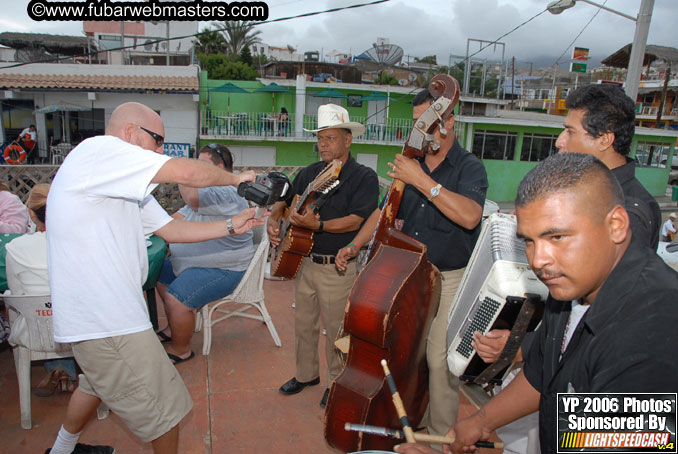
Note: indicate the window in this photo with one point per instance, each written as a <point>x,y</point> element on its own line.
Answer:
<point>538,147</point>
<point>652,154</point>
<point>494,144</point>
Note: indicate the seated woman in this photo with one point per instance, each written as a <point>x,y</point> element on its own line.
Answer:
<point>198,273</point>
<point>284,121</point>
<point>13,214</point>
<point>26,264</point>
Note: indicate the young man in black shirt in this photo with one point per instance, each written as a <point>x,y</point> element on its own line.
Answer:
<point>609,322</point>
<point>321,290</point>
<point>601,122</point>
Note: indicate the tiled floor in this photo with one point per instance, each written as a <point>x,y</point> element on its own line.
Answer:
<point>237,406</point>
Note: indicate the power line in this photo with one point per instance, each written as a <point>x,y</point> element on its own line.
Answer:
<point>506,34</point>
<point>133,46</point>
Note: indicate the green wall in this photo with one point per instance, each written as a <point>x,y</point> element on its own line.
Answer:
<point>504,176</point>
<point>301,153</point>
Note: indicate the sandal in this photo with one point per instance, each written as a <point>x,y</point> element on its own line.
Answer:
<point>48,384</point>
<point>177,359</point>
<point>164,338</point>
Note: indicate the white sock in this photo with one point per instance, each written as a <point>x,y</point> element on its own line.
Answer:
<point>65,442</point>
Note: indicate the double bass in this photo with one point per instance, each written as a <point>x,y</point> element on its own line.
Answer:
<point>389,311</point>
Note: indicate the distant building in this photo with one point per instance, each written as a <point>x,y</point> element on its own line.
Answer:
<point>287,53</point>
<point>145,43</point>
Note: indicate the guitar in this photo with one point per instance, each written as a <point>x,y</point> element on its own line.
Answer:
<point>297,242</point>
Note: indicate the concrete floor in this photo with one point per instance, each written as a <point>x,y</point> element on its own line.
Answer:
<point>237,406</point>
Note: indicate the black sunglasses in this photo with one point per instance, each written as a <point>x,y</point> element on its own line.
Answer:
<point>159,140</point>
<point>215,147</point>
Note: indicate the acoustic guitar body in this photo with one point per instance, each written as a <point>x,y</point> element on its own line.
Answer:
<point>359,395</point>
<point>296,244</point>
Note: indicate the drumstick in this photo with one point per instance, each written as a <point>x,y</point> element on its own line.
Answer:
<point>426,438</point>
<point>400,408</point>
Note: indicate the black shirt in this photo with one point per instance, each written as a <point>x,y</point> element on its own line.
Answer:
<point>625,343</point>
<point>357,193</point>
<point>643,209</point>
<point>449,246</point>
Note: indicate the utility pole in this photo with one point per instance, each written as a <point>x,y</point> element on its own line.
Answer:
<point>168,43</point>
<point>513,80</point>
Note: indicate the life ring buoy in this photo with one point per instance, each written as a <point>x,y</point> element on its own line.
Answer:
<point>16,150</point>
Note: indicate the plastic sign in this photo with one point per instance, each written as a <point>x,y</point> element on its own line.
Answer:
<point>177,150</point>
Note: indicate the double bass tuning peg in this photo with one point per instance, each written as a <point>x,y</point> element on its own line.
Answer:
<point>443,132</point>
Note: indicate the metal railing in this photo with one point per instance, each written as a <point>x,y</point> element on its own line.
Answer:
<point>266,124</point>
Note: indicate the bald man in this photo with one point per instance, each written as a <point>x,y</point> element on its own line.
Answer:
<point>609,322</point>
<point>97,264</point>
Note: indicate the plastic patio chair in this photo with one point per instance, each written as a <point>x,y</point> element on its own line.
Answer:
<point>33,340</point>
<point>249,294</point>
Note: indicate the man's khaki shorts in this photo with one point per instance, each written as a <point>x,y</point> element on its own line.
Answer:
<point>134,377</point>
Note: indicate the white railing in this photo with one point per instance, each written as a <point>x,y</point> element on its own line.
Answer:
<point>239,124</point>
<point>267,124</point>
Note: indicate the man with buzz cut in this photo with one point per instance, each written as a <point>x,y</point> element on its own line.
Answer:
<point>609,321</point>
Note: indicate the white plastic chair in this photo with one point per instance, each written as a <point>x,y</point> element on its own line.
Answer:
<point>33,340</point>
<point>249,294</point>
<point>30,319</point>
<point>59,152</point>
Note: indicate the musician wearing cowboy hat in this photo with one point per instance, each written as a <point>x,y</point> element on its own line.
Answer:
<point>321,289</point>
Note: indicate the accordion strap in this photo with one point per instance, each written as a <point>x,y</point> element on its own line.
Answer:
<point>518,331</point>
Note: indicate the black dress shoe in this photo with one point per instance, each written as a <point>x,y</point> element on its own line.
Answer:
<point>293,386</point>
<point>323,401</point>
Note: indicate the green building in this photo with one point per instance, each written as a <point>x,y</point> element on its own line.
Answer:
<point>508,142</point>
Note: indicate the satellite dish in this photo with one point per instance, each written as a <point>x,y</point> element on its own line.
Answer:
<point>388,54</point>
<point>411,77</point>
<point>163,45</point>
<point>148,45</point>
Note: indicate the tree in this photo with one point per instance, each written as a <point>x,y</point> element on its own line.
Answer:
<point>238,34</point>
<point>430,59</point>
<point>224,67</point>
<point>210,42</point>
<point>246,55</point>
<point>385,78</point>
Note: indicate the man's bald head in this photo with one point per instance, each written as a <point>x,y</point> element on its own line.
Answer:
<point>128,122</point>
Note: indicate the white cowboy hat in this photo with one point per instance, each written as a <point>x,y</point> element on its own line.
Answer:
<point>331,116</point>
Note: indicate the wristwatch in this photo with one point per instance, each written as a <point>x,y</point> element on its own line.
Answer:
<point>229,226</point>
<point>435,190</point>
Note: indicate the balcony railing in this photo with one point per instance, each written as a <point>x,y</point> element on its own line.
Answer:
<point>270,125</point>
<point>652,111</point>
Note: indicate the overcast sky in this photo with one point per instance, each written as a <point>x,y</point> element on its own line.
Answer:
<point>438,27</point>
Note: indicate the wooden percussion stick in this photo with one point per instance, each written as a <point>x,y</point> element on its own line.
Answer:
<point>426,438</point>
<point>400,408</point>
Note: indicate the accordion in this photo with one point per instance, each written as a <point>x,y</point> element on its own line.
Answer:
<point>490,292</point>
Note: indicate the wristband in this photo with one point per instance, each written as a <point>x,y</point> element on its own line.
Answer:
<point>229,226</point>
<point>321,227</point>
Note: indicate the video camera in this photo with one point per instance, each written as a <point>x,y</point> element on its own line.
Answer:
<point>265,190</point>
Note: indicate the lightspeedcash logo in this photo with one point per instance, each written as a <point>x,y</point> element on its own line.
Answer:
<point>107,10</point>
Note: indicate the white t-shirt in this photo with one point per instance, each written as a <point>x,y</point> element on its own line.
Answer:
<point>27,134</point>
<point>668,227</point>
<point>99,209</point>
